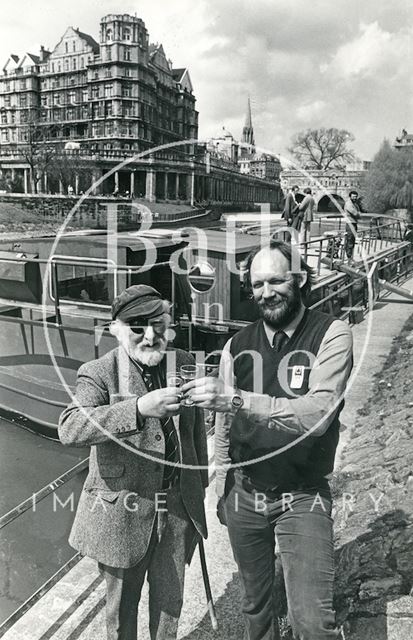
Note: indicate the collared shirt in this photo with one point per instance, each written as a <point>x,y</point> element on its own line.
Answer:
<point>327,383</point>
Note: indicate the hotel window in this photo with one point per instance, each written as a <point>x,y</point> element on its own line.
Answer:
<point>126,53</point>
<point>23,101</point>
<point>66,47</point>
<point>126,34</point>
<point>85,95</point>
<point>74,45</point>
<point>108,90</point>
<point>4,118</point>
<point>82,63</point>
<point>59,67</point>
<point>66,64</point>
<point>4,136</point>
<point>108,35</point>
<point>74,64</point>
<point>22,84</point>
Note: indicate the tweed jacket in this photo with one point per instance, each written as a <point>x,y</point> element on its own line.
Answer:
<point>116,510</point>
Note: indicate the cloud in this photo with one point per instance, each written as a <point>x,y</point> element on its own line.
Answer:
<point>305,64</point>
<point>373,51</point>
<point>311,110</point>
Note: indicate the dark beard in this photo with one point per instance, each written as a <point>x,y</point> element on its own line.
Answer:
<point>286,311</point>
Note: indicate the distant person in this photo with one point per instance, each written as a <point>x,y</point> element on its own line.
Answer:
<point>353,215</point>
<point>138,517</point>
<point>70,190</point>
<point>304,216</point>
<point>408,234</point>
<point>290,205</point>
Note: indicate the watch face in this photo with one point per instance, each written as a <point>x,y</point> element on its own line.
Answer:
<point>237,401</point>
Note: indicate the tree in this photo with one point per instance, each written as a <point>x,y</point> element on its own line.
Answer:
<point>38,151</point>
<point>322,148</point>
<point>389,180</point>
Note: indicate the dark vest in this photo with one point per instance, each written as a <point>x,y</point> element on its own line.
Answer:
<point>307,462</point>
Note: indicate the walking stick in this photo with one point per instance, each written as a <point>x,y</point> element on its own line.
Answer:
<point>205,576</point>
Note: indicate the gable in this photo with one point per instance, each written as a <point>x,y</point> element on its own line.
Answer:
<point>186,83</point>
<point>158,58</point>
<point>73,42</point>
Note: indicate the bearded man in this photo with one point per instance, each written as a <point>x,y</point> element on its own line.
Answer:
<point>141,511</point>
<point>279,396</point>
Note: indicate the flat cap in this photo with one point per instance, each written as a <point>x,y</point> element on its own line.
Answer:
<point>137,301</point>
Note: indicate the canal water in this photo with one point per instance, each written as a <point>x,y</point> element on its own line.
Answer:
<point>34,545</point>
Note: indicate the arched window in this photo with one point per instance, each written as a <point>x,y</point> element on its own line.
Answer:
<point>108,35</point>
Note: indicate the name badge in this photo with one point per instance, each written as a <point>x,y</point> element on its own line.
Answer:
<point>297,377</point>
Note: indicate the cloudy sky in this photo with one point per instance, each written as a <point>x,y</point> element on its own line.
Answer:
<point>340,63</point>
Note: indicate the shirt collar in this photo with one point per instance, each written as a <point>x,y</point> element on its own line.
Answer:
<point>288,330</point>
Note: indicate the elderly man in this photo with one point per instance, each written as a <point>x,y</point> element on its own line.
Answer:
<point>281,391</point>
<point>141,511</point>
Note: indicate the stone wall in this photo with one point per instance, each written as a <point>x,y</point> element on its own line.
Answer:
<point>92,211</point>
<point>373,494</point>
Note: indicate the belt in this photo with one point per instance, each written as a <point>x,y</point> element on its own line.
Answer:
<point>275,492</point>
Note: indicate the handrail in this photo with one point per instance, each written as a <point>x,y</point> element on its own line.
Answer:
<point>25,505</point>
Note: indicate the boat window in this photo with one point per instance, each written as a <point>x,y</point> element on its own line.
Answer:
<point>84,282</point>
<point>201,277</point>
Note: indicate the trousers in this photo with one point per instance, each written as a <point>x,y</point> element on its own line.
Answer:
<point>164,567</point>
<point>301,525</point>
<point>350,240</point>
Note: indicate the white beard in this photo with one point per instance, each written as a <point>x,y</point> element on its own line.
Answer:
<point>150,357</point>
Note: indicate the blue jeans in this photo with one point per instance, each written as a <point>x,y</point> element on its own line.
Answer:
<point>301,523</point>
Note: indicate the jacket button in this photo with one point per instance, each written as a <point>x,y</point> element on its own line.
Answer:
<point>158,437</point>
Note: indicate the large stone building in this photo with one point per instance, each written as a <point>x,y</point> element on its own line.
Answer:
<point>78,116</point>
<point>404,140</point>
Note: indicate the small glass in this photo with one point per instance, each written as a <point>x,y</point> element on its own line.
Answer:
<point>188,372</point>
<point>173,379</point>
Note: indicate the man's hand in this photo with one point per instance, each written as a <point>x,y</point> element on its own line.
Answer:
<point>210,393</point>
<point>221,514</point>
<point>160,403</point>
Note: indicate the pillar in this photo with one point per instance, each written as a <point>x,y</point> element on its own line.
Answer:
<point>60,187</point>
<point>176,186</point>
<point>150,186</point>
<point>132,184</point>
<point>77,184</point>
<point>117,181</point>
<point>26,180</point>
<point>191,187</point>
<point>166,185</point>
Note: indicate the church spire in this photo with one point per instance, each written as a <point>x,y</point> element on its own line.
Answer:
<point>248,131</point>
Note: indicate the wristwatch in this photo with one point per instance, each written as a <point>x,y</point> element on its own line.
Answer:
<point>236,402</point>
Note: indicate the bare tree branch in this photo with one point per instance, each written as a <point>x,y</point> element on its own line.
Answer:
<point>322,148</point>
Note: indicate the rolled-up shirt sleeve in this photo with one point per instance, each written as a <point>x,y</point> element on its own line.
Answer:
<point>314,411</point>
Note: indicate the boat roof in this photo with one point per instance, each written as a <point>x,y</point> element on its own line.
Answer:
<point>219,241</point>
<point>133,240</point>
